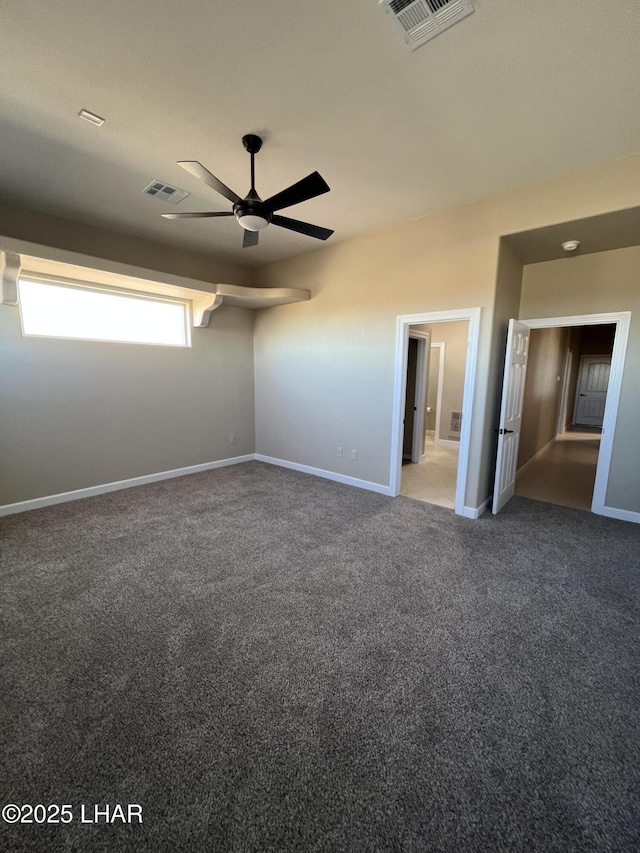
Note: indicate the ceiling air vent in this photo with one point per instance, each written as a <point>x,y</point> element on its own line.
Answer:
<point>421,20</point>
<point>164,192</point>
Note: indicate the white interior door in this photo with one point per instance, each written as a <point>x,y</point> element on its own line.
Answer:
<point>515,374</point>
<point>593,384</point>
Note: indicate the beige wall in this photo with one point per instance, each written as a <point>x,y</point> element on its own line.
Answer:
<point>46,230</point>
<point>76,414</point>
<point>325,369</point>
<point>545,369</point>
<point>325,372</point>
<point>454,335</point>
<point>586,284</point>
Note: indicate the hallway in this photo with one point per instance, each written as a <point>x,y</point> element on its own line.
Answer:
<point>565,473</point>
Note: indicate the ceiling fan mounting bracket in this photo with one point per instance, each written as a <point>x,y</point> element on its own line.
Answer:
<point>252,143</point>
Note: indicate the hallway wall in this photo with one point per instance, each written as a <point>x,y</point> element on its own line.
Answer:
<point>545,367</point>
<point>454,334</point>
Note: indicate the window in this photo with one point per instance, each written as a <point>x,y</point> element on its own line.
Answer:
<point>69,310</point>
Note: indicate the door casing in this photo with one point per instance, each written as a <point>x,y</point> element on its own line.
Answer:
<point>403,322</point>
<point>622,321</point>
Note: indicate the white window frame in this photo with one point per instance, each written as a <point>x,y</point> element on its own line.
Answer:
<point>76,284</point>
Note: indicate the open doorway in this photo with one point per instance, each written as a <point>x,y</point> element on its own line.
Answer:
<point>511,415</point>
<point>443,404</point>
<point>565,394</point>
<point>431,475</point>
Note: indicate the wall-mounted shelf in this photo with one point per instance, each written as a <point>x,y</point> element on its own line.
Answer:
<point>253,298</point>
<point>205,297</point>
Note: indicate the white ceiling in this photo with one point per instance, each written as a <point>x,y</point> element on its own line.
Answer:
<point>518,92</point>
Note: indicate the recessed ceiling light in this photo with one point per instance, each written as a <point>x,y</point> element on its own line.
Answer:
<point>570,245</point>
<point>92,117</point>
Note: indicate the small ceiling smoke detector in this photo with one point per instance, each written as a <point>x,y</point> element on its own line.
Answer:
<point>164,192</point>
<point>570,245</point>
<point>92,117</point>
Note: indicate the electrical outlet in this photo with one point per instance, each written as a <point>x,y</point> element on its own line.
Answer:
<point>354,454</point>
<point>340,452</point>
<point>232,438</point>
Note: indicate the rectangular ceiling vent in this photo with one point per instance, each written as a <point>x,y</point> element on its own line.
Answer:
<point>421,20</point>
<point>164,192</point>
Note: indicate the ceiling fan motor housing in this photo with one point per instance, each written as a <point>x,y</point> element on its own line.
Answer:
<point>252,213</point>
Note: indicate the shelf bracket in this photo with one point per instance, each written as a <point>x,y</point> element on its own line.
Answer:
<point>9,272</point>
<point>202,308</point>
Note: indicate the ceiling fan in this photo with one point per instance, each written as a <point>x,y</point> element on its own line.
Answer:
<point>253,213</point>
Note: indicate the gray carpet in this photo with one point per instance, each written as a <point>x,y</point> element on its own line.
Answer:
<point>266,661</point>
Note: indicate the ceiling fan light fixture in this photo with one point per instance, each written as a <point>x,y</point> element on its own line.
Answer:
<point>251,222</point>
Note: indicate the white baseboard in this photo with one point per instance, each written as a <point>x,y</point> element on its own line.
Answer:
<point>327,475</point>
<point>91,491</point>
<point>446,442</point>
<point>475,512</point>
<point>621,514</point>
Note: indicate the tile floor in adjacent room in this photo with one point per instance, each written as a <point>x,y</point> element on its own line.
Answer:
<point>565,473</point>
<point>433,479</point>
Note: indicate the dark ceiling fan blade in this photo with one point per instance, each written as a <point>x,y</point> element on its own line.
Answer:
<point>203,215</point>
<point>309,187</point>
<point>302,227</point>
<point>250,238</point>
<point>198,171</point>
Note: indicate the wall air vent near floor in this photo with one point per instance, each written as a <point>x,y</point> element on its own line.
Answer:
<point>421,20</point>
